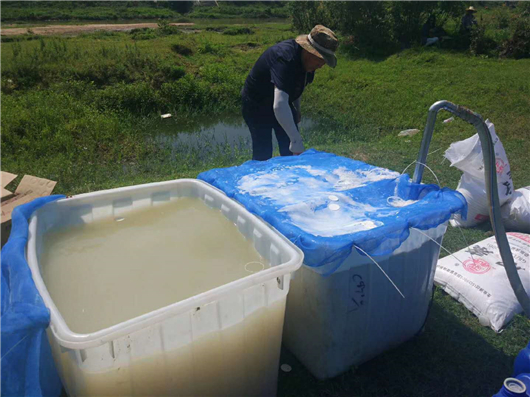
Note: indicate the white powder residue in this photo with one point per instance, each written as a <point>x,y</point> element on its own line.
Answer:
<point>353,179</point>
<point>303,193</point>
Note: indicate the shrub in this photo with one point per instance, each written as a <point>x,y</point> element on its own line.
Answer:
<point>218,29</point>
<point>136,98</point>
<point>143,34</point>
<point>523,8</point>
<point>165,29</point>
<point>207,47</point>
<point>374,25</point>
<point>182,7</point>
<point>181,49</point>
<point>305,15</point>
<point>188,91</point>
<point>480,43</point>
<point>238,31</point>
<point>518,45</point>
<point>174,72</point>
<point>502,17</point>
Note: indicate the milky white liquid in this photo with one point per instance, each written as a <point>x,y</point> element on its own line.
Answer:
<point>241,360</point>
<point>105,272</point>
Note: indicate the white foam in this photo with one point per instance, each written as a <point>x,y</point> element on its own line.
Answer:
<point>309,169</point>
<point>354,179</point>
<point>326,222</point>
<point>398,202</point>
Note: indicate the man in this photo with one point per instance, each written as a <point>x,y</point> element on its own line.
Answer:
<point>468,21</point>
<point>272,92</point>
<point>427,31</point>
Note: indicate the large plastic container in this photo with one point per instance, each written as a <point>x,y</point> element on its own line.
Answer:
<point>342,309</point>
<point>225,341</point>
<point>351,316</point>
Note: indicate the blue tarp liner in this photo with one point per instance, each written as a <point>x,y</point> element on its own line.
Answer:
<point>327,204</point>
<point>27,363</point>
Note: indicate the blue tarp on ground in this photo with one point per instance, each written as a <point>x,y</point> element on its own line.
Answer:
<point>27,363</point>
<point>327,204</point>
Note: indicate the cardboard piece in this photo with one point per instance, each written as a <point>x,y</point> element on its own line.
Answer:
<point>29,188</point>
<point>6,178</point>
<point>6,194</point>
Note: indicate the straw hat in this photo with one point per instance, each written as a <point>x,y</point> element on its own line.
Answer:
<point>321,42</point>
<point>471,9</point>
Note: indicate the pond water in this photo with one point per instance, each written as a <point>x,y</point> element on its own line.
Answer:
<point>210,133</point>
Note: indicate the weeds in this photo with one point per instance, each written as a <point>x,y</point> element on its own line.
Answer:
<point>165,29</point>
<point>67,10</point>
<point>181,49</point>
<point>208,47</point>
<point>237,31</point>
<point>480,42</point>
<point>518,45</point>
<point>143,34</point>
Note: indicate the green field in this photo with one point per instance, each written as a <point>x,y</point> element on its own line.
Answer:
<point>28,12</point>
<point>84,110</point>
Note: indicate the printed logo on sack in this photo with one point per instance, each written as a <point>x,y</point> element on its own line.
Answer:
<point>524,237</point>
<point>477,266</point>
<point>499,164</point>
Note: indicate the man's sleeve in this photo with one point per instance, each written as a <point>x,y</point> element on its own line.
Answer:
<point>283,114</point>
<point>282,74</point>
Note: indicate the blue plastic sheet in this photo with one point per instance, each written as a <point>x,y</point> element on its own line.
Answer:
<point>27,363</point>
<point>327,204</point>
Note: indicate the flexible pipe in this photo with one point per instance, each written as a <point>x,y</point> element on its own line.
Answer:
<point>490,174</point>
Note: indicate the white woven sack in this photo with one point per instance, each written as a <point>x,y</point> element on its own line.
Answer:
<point>516,212</point>
<point>466,155</point>
<point>477,278</point>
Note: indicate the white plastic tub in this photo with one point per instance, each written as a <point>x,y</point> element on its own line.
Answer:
<point>225,341</point>
<point>332,323</point>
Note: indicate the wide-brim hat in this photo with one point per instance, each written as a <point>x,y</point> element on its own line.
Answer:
<point>471,9</point>
<point>321,42</point>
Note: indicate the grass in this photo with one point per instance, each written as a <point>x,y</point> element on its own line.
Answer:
<point>85,110</point>
<point>35,11</point>
<point>257,10</point>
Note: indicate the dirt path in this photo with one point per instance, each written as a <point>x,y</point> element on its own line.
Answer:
<point>76,29</point>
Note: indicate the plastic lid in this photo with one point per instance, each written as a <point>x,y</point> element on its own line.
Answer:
<point>515,386</point>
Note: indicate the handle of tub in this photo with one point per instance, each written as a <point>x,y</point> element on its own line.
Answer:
<point>490,174</point>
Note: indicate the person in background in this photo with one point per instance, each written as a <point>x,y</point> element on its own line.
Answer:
<point>468,20</point>
<point>427,31</point>
<point>272,92</point>
<point>432,34</point>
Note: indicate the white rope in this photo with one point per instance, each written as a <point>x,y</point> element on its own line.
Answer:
<point>16,344</point>
<point>426,166</point>
<point>380,268</point>
<point>465,242</point>
<point>434,151</point>
<point>437,243</point>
